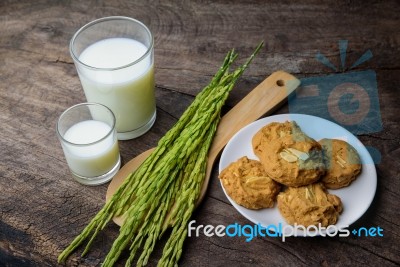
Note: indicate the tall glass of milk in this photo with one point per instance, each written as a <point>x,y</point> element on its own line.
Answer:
<point>89,140</point>
<point>114,57</point>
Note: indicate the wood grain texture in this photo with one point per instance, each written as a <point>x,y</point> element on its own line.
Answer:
<point>41,207</point>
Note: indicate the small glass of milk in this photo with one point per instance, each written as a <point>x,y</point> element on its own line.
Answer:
<point>89,140</point>
<point>114,57</point>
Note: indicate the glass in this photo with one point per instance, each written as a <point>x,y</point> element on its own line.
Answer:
<point>114,57</point>
<point>89,140</point>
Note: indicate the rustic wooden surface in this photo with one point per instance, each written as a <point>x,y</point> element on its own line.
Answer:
<point>42,208</point>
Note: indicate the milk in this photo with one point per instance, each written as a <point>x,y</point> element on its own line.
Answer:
<point>128,91</point>
<point>89,155</point>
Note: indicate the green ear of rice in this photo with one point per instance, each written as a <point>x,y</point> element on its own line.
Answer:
<point>163,191</point>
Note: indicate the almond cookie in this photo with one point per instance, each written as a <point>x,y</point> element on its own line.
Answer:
<point>272,131</point>
<point>309,205</point>
<point>246,182</point>
<point>342,161</point>
<point>293,159</point>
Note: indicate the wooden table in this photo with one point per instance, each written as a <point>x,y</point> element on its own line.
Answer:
<point>42,208</point>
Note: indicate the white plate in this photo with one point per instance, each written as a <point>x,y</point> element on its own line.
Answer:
<point>356,198</point>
